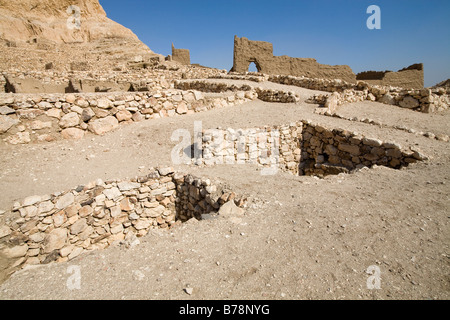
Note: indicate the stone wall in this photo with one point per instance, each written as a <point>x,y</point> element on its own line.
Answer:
<point>331,151</point>
<point>2,84</point>
<point>62,225</point>
<point>181,55</point>
<point>52,81</point>
<point>328,85</point>
<point>26,118</point>
<point>423,100</point>
<point>268,95</point>
<point>303,148</point>
<point>411,77</point>
<point>261,53</point>
<point>237,76</point>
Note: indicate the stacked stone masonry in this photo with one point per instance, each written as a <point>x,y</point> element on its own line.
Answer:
<point>302,148</point>
<point>181,55</point>
<point>238,76</point>
<point>60,226</point>
<point>411,77</point>
<point>52,81</point>
<point>423,100</point>
<point>268,95</point>
<point>25,118</point>
<point>261,53</point>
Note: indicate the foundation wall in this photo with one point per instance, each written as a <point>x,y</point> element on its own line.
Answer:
<point>423,100</point>
<point>303,148</point>
<point>33,118</point>
<point>62,225</point>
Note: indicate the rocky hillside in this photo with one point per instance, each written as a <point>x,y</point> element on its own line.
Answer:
<point>68,31</point>
<point>48,19</point>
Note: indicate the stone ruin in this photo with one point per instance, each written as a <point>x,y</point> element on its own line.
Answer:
<point>409,77</point>
<point>261,54</point>
<point>181,55</point>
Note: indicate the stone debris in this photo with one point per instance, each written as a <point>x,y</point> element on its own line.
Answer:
<point>189,290</point>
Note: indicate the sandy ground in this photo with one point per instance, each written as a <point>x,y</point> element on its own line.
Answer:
<point>300,238</point>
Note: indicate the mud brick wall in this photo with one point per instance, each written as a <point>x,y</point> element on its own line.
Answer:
<point>62,225</point>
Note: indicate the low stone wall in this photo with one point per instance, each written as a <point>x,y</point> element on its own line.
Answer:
<point>141,80</point>
<point>26,118</point>
<point>427,134</point>
<point>327,85</point>
<point>60,226</point>
<point>423,100</point>
<point>268,95</point>
<point>207,86</point>
<point>302,148</point>
<point>269,146</point>
<point>236,76</point>
<point>329,151</point>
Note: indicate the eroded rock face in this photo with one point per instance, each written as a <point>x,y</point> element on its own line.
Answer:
<point>47,19</point>
<point>73,33</point>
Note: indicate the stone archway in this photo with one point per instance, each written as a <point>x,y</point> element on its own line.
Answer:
<point>256,64</point>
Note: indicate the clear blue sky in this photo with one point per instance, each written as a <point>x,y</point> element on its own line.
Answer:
<point>331,31</point>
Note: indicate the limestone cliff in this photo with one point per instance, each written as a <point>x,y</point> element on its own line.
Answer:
<point>25,20</point>
<point>66,35</point>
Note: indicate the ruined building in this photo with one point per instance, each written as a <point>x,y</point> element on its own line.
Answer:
<point>181,55</point>
<point>410,77</point>
<point>261,53</point>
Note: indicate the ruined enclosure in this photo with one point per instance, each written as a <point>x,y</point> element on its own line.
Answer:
<point>261,53</point>
<point>31,85</point>
<point>409,77</point>
<point>181,55</point>
<point>60,226</point>
<point>303,148</point>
